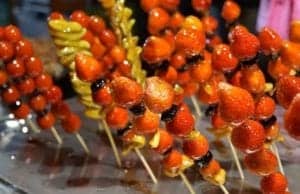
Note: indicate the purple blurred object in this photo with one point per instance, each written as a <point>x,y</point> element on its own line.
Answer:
<point>278,14</point>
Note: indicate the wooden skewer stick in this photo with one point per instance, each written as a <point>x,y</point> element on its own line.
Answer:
<point>187,183</point>
<point>196,106</point>
<point>236,159</point>
<point>275,150</point>
<point>223,188</point>
<point>112,141</point>
<point>146,165</point>
<point>32,125</point>
<point>83,144</point>
<point>56,135</point>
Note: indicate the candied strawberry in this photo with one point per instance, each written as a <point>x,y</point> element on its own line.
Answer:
<point>275,183</point>
<point>223,59</point>
<point>243,44</point>
<point>253,79</point>
<point>159,95</point>
<point>249,136</point>
<point>208,92</point>
<point>169,75</point>
<point>80,17</point>
<point>117,117</point>
<point>156,50</point>
<point>262,163</point>
<point>292,119</point>
<point>236,104</point>
<point>158,19</point>
<point>183,122</point>
<point>87,67</point>
<point>277,69</point>
<point>192,23</point>
<point>147,123</point>
<point>147,5</point>
<point>270,41</point>
<point>190,41</point>
<point>195,147</point>
<point>295,31</point>
<point>201,5</point>
<point>286,89</point>
<point>169,5</point>
<point>165,141</point>
<point>230,11</point>
<point>201,71</point>
<point>290,54</point>
<point>210,24</point>
<point>264,107</point>
<point>176,21</point>
<point>126,92</point>
<point>172,161</point>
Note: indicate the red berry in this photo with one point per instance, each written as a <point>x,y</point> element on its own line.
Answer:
<point>96,24</point>
<point>22,111</point>
<point>6,51</point>
<point>26,86</point>
<point>46,121</point>
<point>270,41</point>
<point>53,94</point>
<point>61,110</point>
<point>15,68</point>
<point>88,68</point>
<point>24,48</point>
<point>249,136</point>
<point>80,17</point>
<point>10,95</point>
<point>43,82</point>
<point>38,103</point>
<point>34,66</point>
<point>223,59</point>
<point>12,34</point>
<point>71,123</point>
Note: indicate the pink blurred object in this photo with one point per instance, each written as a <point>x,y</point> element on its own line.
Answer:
<point>278,14</point>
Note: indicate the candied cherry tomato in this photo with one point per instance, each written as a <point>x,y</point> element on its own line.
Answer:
<point>24,48</point>
<point>43,82</point>
<point>6,51</point>
<point>38,102</point>
<point>15,68</point>
<point>46,121</point>
<point>80,17</point>
<point>71,123</point>
<point>12,34</point>
<point>10,94</point>
<point>34,66</point>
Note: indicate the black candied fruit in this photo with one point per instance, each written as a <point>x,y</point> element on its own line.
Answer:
<point>268,122</point>
<point>138,109</point>
<point>98,84</point>
<point>205,160</point>
<point>169,114</point>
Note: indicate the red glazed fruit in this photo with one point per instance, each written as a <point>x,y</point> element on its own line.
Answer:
<point>26,86</point>
<point>126,92</point>
<point>88,68</point>
<point>277,69</point>
<point>46,121</point>
<point>10,95</point>
<point>243,44</point>
<point>15,68</point>
<point>249,136</point>
<point>3,77</point>
<point>165,141</point>
<point>117,117</point>
<point>264,108</point>
<point>196,147</point>
<point>159,95</point>
<point>22,111</point>
<point>80,17</point>
<point>201,5</point>
<point>183,122</point>
<point>275,183</point>
<point>12,34</point>
<point>6,51</point>
<point>290,54</point>
<point>24,48</point>
<point>230,11</point>
<point>222,58</point>
<point>262,163</point>
<point>71,123</point>
<point>38,103</point>
<point>54,94</point>
<point>158,19</point>
<point>147,123</point>
<point>156,49</point>
<point>34,67</point>
<point>270,41</point>
<point>147,5</point>
<point>292,119</point>
<point>253,79</point>
<point>43,82</point>
<point>287,88</point>
<point>172,161</point>
<point>236,104</point>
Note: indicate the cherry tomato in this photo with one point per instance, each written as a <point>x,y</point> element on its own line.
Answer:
<point>53,94</point>
<point>80,17</point>
<point>10,94</point>
<point>38,103</point>
<point>26,86</point>
<point>46,121</point>
<point>12,34</point>
<point>34,66</point>
<point>15,68</point>
<point>71,123</point>
<point>43,82</point>
<point>6,51</point>
<point>24,48</point>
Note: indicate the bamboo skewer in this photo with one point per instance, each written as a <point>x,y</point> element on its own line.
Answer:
<point>56,135</point>
<point>236,159</point>
<point>275,150</point>
<point>196,106</point>
<point>187,183</point>
<point>32,125</point>
<point>112,142</point>
<point>223,188</point>
<point>146,165</point>
<point>83,144</point>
